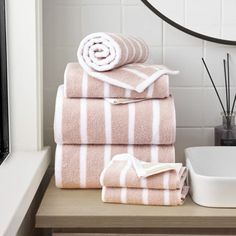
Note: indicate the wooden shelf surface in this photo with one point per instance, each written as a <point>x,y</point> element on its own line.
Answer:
<point>84,209</point>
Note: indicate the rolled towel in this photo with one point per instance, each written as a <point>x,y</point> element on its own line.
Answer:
<point>107,57</point>
<point>120,172</point>
<point>144,196</point>
<point>78,84</point>
<point>107,51</point>
<point>97,121</point>
<point>80,166</point>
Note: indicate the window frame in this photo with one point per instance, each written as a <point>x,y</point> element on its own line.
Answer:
<point>4,108</point>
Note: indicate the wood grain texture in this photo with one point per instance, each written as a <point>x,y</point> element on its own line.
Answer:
<point>84,209</point>
<point>104,234</point>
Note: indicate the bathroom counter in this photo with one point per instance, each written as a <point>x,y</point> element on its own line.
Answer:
<point>81,210</point>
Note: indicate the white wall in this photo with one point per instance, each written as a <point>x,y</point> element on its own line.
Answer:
<point>67,21</point>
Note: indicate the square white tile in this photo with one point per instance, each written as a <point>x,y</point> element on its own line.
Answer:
<point>101,18</point>
<point>155,55</point>
<point>229,31</point>
<point>174,11</point>
<point>214,55</point>
<point>200,12</point>
<point>188,105</point>
<point>49,23</point>
<point>188,61</point>
<point>49,98</point>
<point>67,25</point>
<point>140,21</point>
<point>64,55</point>
<point>211,106</point>
<point>100,2</point>
<point>208,135</point>
<point>132,2</point>
<point>228,12</point>
<point>175,37</point>
<point>185,138</point>
<point>49,66</point>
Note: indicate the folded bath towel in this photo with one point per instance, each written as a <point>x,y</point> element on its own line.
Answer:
<point>120,172</point>
<point>102,54</point>
<point>144,196</point>
<point>97,121</point>
<point>77,84</point>
<point>80,166</point>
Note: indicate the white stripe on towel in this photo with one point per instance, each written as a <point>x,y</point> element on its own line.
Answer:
<point>140,48</point>
<point>143,182</point>
<point>155,121</point>
<point>166,180</point>
<point>107,115</point>
<point>130,149</point>
<point>59,116</point>
<point>127,93</point>
<point>106,90</point>
<point>166,194</point>
<point>104,190</point>
<point>150,91</point>
<point>131,130</point>
<point>133,48</point>
<point>136,72</point>
<point>145,196</point>
<point>58,166</point>
<point>85,85</point>
<point>107,154</point>
<point>83,118</point>
<point>123,174</point>
<point>154,154</point>
<point>123,195</point>
<point>126,48</point>
<point>83,165</point>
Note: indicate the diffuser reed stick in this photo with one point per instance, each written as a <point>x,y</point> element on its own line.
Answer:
<point>226,89</point>
<point>228,80</point>
<point>232,109</point>
<point>209,74</point>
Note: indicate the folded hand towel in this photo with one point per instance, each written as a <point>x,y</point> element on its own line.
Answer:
<point>102,54</point>
<point>120,172</point>
<point>80,166</point>
<point>79,84</point>
<point>144,196</point>
<point>96,121</point>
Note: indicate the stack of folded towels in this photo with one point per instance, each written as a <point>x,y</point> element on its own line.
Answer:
<point>111,103</point>
<point>128,180</point>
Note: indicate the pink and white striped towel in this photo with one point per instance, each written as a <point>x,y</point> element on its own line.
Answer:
<point>120,172</point>
<point>144,196</point>
<point>97,121</point>
<point>78,84</point>
<point>80,166</point>
<point>116,59</point>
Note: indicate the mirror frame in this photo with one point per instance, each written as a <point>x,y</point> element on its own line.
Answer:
<point>186,30</point>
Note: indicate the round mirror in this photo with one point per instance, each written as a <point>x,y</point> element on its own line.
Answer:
<point>212,20</point>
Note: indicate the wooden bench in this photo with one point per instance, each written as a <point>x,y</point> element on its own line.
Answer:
<point>81,212</point>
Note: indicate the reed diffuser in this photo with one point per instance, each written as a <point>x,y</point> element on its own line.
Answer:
<point>225,134</point>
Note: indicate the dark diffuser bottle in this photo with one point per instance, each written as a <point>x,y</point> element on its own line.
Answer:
<point>225,134</point>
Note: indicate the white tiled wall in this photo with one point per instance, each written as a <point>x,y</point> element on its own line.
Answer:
<point>67,21</point>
